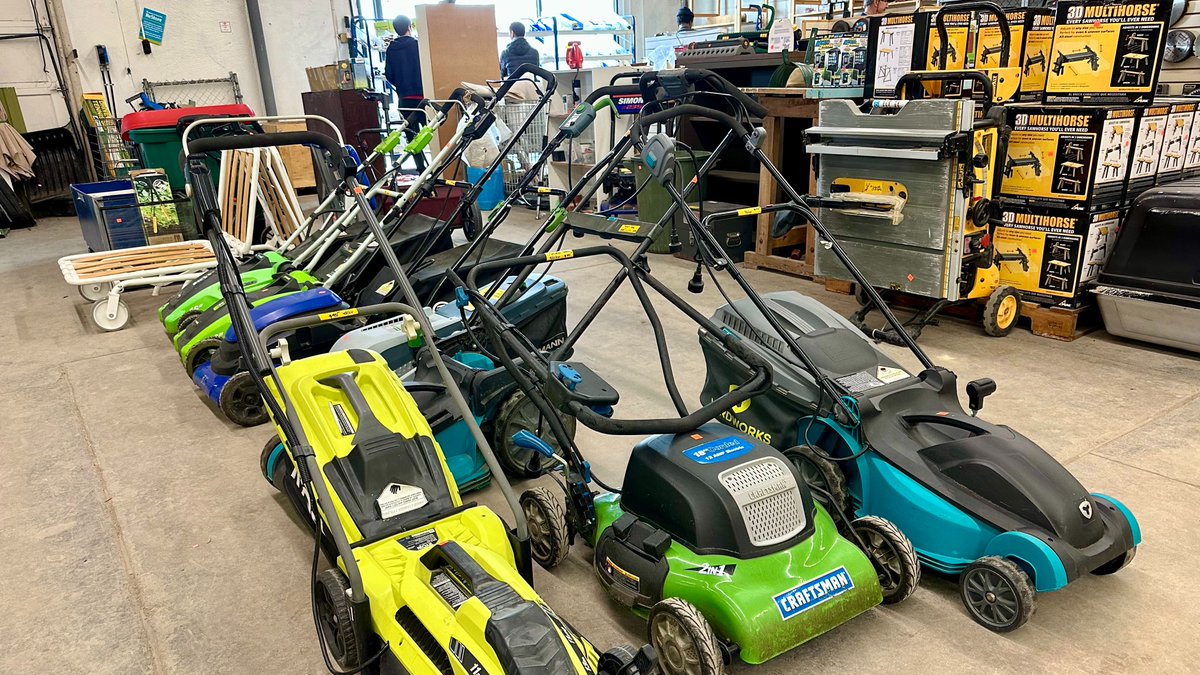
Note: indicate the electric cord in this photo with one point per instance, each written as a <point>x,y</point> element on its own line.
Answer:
<point>319,530</point>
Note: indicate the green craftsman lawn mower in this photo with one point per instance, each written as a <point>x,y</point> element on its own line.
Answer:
<point>714,537</point>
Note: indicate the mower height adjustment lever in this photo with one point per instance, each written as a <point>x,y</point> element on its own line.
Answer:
<point>977,390</point>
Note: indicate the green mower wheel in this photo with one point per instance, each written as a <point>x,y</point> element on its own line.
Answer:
<point>683,639</point>
<point>335,619</point>
<point>547,521</point>
<point>893,556</point>
<point>997,594</point>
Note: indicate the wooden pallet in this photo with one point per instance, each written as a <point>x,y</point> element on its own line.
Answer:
<point>1058,323</point>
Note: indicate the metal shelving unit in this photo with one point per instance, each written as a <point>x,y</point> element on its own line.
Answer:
<point>558,58</point>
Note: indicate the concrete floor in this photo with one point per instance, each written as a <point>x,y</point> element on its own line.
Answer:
<point>140,537</point>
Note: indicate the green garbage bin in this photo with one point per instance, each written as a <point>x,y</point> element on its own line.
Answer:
<point>653,200</point>
<point>159,140</point>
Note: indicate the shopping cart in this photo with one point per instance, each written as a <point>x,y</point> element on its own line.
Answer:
<point>526,151</point>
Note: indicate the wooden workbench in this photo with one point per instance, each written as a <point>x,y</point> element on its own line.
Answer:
<point>782,106</point>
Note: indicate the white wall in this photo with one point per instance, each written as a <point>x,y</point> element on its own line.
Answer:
<point>300,34</point>
<point>21,67</point>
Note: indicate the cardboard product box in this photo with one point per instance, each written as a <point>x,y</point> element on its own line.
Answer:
<point>1064,249</point>
<point>1147,149</point>
<point>896,45</point>
<point>156,205</point>
<point>1030,33</point>
<point>1106,51</point>
<point>839,61</point>
<point>1177,139</point>
<point>1191,156</point>
<point>1067,156</point>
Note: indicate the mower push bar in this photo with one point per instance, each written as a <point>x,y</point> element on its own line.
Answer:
<point>204,121</point>
<point>689,109</point>
<point>305,321</point>
<point>988,7</point>
<point>758,383</point>
<point>526,68</point>
<point>650,80</point>
<point>205,145</point>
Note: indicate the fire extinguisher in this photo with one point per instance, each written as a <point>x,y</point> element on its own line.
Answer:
<point>574,55</point>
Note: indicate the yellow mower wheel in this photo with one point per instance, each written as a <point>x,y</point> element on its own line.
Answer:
<point>1001,312</point>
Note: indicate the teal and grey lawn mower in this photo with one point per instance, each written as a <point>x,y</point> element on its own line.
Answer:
<point>976,499</point>
<point>714,538</point>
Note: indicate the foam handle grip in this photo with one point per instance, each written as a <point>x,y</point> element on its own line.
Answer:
<point>205,145</point>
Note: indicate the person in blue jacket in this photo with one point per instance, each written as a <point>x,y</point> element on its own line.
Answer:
<point>402,69</point>
<point>518,51</point>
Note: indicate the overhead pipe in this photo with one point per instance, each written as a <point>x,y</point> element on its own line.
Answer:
<point>260,56</point>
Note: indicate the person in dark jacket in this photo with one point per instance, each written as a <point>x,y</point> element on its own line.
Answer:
<point>518,51</point>
<point>402,69</point>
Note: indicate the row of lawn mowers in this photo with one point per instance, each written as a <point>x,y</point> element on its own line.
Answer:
<point>399,376</point>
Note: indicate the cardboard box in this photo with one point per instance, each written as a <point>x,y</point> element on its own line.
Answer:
<point>1177,139</point>
<point>1064,249</point>
<point>896,45</point>
<point>1031,31</point>
<point>1106,51</point>
<point>1067,156</point>
<point>840,61</point>
<point>1191,156</point>
<point>297,159</point>
<point>160,218</point>
<point>1147,149</point>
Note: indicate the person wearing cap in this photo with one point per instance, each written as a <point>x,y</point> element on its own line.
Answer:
<point>874,7</point>
<point>684,18</point>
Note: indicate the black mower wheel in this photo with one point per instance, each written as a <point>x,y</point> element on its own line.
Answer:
<point>1001,312</point>
<point>187,319</point>
<point>472,222</point>
<point>823,478</point>
<point>334,618</point>
<point>547,520</point>
<point>1116,564</point>
<point>616,659</point>
<point>241,402</point>
<point>997,594</point>
<point>683,639</point>
<point>202,353</point>
<point>893,556</point>
<point>518,413</point>
<point>264,459</point>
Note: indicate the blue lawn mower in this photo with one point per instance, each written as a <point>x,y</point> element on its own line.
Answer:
<point>977,500</point>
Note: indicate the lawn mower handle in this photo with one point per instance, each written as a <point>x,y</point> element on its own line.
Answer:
<point>524,68</point>
<point>205,145</point>
<point>204,121</point>
<point>305,321</point>
<point>988,7</point>
<point>646,121</point>
<point>650,79</point>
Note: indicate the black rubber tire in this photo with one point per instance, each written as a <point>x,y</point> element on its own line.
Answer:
<point>613,660</point>
<point>547,520</point>
<point>335,623</point>
<point>997,594</point>
<point>821,474</point>
<point>1116,564</point>
<point>683,639</point>
<point>512,416</point>
<point>995,322</point>
<point>240,401</point>
<point>893,556</point>
<point>202,353</point>
<point>472,222</point>
<point>187,319</point>
<point>265,456</point>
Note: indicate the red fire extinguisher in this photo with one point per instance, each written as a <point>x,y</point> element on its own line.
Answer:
<point>574,55</point>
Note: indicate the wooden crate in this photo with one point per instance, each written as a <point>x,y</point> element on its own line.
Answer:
<point>297,158</point>
<point>1058,323</point>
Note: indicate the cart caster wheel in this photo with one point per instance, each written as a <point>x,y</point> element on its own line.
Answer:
<point>1116,564</point>
<point>892,555</point>
<point>109,322</point>
<point>94,292</point>
<point>1001,312</point>
<point>823,478</point>
<point>547,521</point>
<point>683,639</point>
<point>997,594</point>
<point>265,465</point>
<point>335,620</point>
<point>186,320</point>
<point>241,402</point>
<point>202,353</point>
<point>518,413</point>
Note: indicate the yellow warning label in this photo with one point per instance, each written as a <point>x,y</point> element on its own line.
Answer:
<point>750,211</point>
<point>451,183</point>
<point>340,314</point>
<point>559,255</point>
<point>629,229</point>
<point>543,191</point>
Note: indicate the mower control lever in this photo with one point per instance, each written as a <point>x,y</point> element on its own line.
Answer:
<point>526,439</point>
<point>977,390</point>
